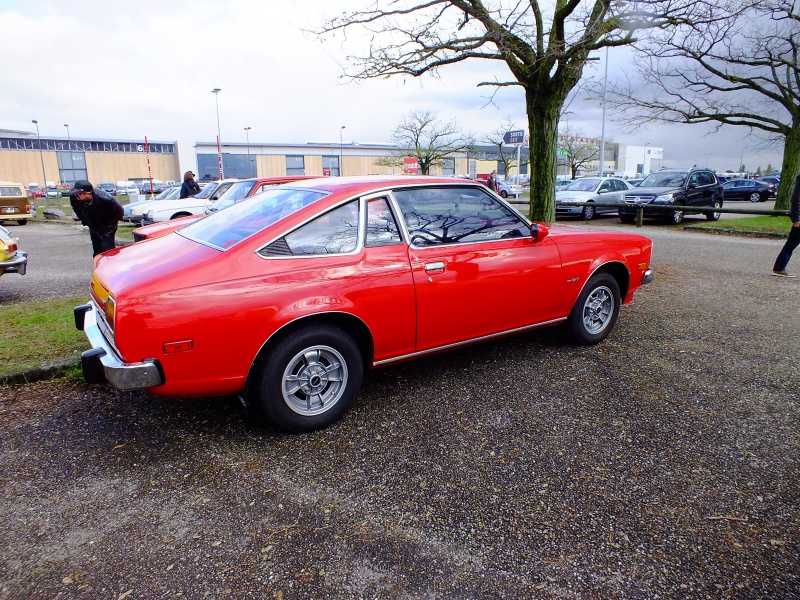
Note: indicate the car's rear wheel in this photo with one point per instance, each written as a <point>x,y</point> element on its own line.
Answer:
<point>504,193</point>
<point>596,309</point>
<point>22,222</point>
<point>308,378</point>
<point>714,215</point>
<point>627,218</point>
<point>676,217</point>
<point>587,214</point>
<point>754,197</point>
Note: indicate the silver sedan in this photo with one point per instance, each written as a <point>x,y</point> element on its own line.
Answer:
<point>590,189</point>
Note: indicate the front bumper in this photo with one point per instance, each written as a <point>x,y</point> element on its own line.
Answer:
<point>102,363</point>
<point>568,209</point>
<point>19,264</point>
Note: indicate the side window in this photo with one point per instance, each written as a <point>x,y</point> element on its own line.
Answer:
<point>620,186</point>
<point>694,179</point>
<point>382,228</point>
<point>335,232</point>
<point>706,178</point>
<point>454,215</point>
<point>606,185</point>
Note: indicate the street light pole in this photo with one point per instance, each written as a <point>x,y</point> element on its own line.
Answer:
<point>603,128</point>
<point>69,141</point>
<point>247,133</point>
<point>41,156</point>
<point>341,150</point>
<point>644,159</point>
<point>216,92</point>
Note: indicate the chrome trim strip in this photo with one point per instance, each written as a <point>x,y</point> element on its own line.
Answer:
<point>468,342</point>
<point>122,375</point>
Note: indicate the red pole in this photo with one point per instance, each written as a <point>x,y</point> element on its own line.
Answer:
<point>149,172</point>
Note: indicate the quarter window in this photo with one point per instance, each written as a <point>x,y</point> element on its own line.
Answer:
<point>382,228</point>
<point>335,232</point>
<point>454,215</point>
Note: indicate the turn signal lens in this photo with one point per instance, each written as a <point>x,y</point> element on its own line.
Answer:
<point>111,312</point>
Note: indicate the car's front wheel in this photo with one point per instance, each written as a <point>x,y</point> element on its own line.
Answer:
<point>308,378</point>
<point>596,309</point>
<point>714,215</point>
<point>179,215</point>
<point>587,214</point>
<point>627,218</point>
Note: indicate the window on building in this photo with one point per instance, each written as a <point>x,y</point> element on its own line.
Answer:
<point>331,163</point>
<point>295,165</point>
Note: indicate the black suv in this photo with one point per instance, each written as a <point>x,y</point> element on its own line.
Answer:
<point>681,187</point>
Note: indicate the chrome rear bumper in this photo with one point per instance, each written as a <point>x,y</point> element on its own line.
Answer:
<point>102,363</point>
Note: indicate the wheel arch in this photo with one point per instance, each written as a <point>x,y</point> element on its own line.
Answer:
<point>354,326</point>
<point>618,271</point>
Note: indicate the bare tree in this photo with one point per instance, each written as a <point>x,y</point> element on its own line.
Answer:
<point>741,69</point>
<point>505,154</point>
<point>576,149</point>
<point>423,136</point>
<point>545,46</point>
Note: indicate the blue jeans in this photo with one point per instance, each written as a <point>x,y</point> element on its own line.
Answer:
<point>788,248</point>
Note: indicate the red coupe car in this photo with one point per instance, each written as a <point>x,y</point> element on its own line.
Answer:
<point>286,298</point>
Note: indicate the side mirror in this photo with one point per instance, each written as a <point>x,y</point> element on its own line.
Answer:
<point>602,191</point>
<point>539,231</point>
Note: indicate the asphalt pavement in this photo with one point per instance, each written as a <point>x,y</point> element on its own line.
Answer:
<point>661,463</point>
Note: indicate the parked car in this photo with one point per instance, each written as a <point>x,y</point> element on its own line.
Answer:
<point>109,187</point>
<point>14,203</point>
<point>634,182</point>
<point>176,207</point>
<point>680,187</point>
<point>590,189</point>
<point>562,184</point>
<point>12,259</point>
<point>773,179</point>
<point>234,194</point>
<point>314,281</point>
<point>127,188</point>
<point>134,211</point>
<point>748,189</point>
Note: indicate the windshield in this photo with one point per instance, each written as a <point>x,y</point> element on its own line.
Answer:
<point>227,228</point>
<point>237,191</point>
<point>583,185</point>
<point>207,190</point>
<point>665,180</point>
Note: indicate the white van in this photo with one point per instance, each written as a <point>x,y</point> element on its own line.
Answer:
<point>126,188</point>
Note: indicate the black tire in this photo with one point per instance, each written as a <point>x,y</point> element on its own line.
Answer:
<point>755,197</point>
<point>504,193</point>
<point>627,218</point>
<point>675,217</point>
<point>22,222</point>
<point>587,214</point>
<point>596,310</point>
<point>714,216</point>
<point>179,215</point>
<point>307,379</point>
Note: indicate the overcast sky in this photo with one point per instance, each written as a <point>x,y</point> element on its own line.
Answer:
<point>114,69</point>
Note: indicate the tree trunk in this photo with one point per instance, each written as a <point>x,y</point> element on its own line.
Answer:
<point>543,116</point>
<point>790,167</point>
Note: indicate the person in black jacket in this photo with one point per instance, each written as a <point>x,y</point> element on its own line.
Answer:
<point>779,269</point>
<point>97,210</point>
<point>189,187</point>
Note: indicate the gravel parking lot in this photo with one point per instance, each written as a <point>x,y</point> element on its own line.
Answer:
<point>661,463</point>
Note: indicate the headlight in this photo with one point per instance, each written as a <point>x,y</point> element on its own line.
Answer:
<point>665,198</point>
<point>111,312</point>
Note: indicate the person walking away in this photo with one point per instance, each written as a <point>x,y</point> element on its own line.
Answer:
<point>189,187</point>
<point>97,210</point>
<point>491,183</point>
<point>779,270</point>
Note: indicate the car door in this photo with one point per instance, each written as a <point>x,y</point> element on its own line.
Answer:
<point>477,271</point>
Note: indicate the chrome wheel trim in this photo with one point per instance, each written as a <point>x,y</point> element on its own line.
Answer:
<point>677,217</point>
<point>598,310</point>
<point>716,215</point>
<point>314,380</point>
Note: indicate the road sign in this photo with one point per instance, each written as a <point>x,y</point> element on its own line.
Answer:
<point>514,137</point>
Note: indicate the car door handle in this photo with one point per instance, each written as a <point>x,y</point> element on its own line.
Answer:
<point>435,267</point>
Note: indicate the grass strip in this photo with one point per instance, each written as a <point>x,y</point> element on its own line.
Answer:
<point>761,224</point>
<point>38,332</point>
